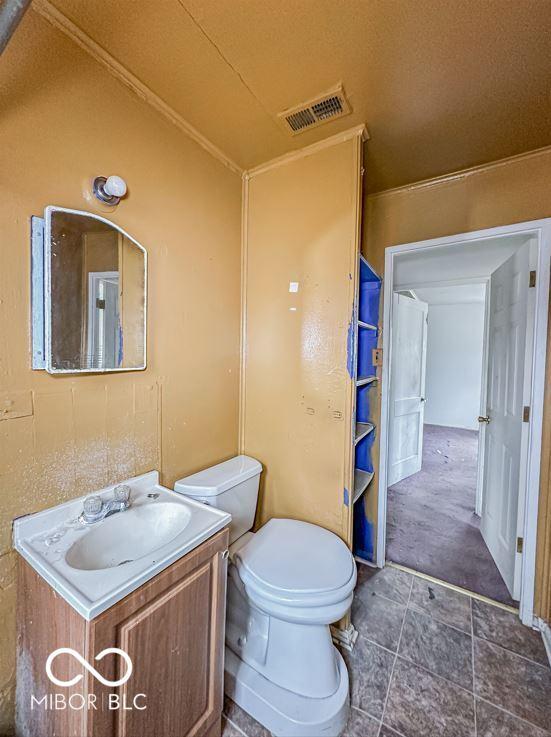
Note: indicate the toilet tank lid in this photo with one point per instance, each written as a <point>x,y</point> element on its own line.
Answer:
<point>217,479</point>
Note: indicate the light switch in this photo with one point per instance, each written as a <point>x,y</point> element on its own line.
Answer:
<point>293,286</point>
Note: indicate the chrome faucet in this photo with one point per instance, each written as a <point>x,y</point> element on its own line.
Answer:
<point>95,509</point>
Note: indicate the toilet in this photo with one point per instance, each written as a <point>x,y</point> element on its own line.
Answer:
<point>286,584</point>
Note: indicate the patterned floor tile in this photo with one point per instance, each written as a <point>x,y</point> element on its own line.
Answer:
<point>389,582</point>
<point>492,722</point>
<point>377,618</point>
<point>505,628</point>
<point>435,646</point>
<point>517,685</point>
<point>442,603</point>
<point>422,705</point>
<point>388,732</point>
<point>244,721</point>
<point>361,725</point>
<point>369,669</point>
<point>229,730</point>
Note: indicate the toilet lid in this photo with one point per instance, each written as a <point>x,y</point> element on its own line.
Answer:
<point>292,556</point>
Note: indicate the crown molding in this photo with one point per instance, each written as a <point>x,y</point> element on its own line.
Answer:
<point>355,132</point>
<point>117,70</point>
<point>462,173</point>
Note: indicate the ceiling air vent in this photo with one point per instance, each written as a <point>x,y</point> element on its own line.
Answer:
<point>322,109</point>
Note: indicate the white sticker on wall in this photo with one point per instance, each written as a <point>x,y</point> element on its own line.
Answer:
<point>293,286</point>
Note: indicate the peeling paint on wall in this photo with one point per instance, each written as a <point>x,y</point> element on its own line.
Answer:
<point>63,436</point>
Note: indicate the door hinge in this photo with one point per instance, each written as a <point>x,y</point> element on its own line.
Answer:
<point>532,280</point>
<point>100,304</point>
<point>526,414</point>
<point>520,544</point>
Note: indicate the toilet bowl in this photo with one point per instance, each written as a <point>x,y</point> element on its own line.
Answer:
<point>286,584</point>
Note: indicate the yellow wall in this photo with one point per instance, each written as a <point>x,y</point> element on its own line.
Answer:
<point>301,227</point>
<point>63,120</point>
<point>505,192</point>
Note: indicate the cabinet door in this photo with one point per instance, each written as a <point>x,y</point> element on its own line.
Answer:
<point>174,634</point>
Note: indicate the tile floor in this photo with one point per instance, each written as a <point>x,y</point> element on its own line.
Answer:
<point>431,662</point>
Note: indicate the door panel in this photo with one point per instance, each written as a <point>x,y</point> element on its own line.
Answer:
<point>169,645</point>
<point>409,356</point>
<point>504,433</point>
<point>173,630</point>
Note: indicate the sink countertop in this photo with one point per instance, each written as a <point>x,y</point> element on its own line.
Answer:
<point>44,539</point>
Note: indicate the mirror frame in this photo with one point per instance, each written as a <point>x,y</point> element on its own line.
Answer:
<point>47,303</point>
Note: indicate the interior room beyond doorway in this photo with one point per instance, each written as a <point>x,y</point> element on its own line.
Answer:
<point>459,344</point>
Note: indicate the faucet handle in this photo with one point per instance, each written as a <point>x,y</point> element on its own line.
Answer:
<point>92,505</point>
<point>122,493</point>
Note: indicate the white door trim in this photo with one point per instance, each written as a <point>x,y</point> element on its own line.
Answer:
<point>541,231</point>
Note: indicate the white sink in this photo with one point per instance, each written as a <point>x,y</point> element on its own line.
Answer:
<point>128,536</point>
<point>94,566</point>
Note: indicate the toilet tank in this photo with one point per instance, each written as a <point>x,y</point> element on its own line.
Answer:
<point>231,486</point>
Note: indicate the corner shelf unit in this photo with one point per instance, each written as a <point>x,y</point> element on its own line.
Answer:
<point>367,335</point>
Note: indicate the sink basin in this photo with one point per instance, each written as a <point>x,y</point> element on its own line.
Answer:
<point>94,566</point>
<point>128,536</point>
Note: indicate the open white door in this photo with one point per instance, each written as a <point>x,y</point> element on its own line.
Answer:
<point>407,386</point>
<point>506,442</point>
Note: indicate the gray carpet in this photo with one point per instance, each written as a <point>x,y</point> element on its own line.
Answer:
<point>431,525</point>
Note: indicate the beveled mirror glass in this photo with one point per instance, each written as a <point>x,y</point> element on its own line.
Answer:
<point>95,294</point>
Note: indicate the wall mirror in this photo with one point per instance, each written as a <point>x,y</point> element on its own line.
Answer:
<point>89,294</point>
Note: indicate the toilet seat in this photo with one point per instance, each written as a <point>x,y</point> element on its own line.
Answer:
<point>297,571</point>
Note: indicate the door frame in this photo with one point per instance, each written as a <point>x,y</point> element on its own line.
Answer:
<point>540,230</point>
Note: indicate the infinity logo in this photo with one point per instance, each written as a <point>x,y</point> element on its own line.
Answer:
<point>52,656</point>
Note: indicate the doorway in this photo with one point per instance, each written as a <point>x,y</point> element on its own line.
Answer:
<point>103,334</point>
<point>464,338</point>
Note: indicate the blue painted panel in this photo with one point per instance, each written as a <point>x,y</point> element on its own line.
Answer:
<point>367,273</point>
<point>370,294</point>
<point>362,544</point>
<point>363,408</point>
<point>363,453</point>
<point>367,341</point>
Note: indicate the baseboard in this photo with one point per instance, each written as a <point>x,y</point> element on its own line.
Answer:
<point>345,638</point>
<point>453,587</point>
<point>545,630</point>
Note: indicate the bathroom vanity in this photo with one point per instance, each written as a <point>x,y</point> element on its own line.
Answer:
<point>164,609</point>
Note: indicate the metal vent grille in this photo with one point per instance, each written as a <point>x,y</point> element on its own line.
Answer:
<point>331,105</point>
<point>327,108</point>
<point>300,120</point>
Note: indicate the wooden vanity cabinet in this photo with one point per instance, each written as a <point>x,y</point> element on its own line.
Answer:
<point>172,628</point>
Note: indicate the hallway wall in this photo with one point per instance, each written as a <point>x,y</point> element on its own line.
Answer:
<point>455,344</point>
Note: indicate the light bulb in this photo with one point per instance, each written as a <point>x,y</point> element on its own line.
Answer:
<point>115,186</point>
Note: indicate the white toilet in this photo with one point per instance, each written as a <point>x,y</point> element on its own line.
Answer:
<point>286,584</point>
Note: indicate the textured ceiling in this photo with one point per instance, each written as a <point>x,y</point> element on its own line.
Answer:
<point>441,84</point>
